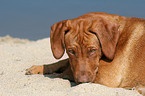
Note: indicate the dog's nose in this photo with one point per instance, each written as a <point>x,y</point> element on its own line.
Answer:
<point>83,79</point>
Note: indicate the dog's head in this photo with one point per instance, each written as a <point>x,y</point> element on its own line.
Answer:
<point>85,41</point>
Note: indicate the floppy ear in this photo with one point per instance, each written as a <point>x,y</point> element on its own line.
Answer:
<point>108,34</point>
<point>57,39</point>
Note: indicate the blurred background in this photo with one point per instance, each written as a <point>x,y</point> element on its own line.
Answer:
<point>32,19</point>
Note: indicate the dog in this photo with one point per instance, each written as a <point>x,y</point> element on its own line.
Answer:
<point>102,48</point>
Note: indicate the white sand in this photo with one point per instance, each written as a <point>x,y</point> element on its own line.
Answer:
<point>16,55</point>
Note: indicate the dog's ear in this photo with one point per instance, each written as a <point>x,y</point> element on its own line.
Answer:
<point>108,34</point>
<point>57,39</point>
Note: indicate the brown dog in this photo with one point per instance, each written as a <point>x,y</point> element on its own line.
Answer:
<point>102,48</point>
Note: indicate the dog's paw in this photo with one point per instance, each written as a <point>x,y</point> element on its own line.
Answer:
<point>36,69</point>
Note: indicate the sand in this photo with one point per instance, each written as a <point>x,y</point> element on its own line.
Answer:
<point>16,55</point>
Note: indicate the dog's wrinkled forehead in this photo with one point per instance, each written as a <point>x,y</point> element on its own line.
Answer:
<point>79,24</point>
<point>79,31</point>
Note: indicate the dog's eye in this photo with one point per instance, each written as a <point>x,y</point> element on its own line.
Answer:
<point>92,51</point>
<point>71,51</point>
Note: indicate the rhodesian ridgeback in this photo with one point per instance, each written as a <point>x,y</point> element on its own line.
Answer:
<point>102,48</point>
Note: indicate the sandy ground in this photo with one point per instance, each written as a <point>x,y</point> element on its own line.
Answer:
<point>16,55</point>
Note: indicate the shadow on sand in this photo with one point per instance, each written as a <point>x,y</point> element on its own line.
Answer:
<point>55,75</point>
